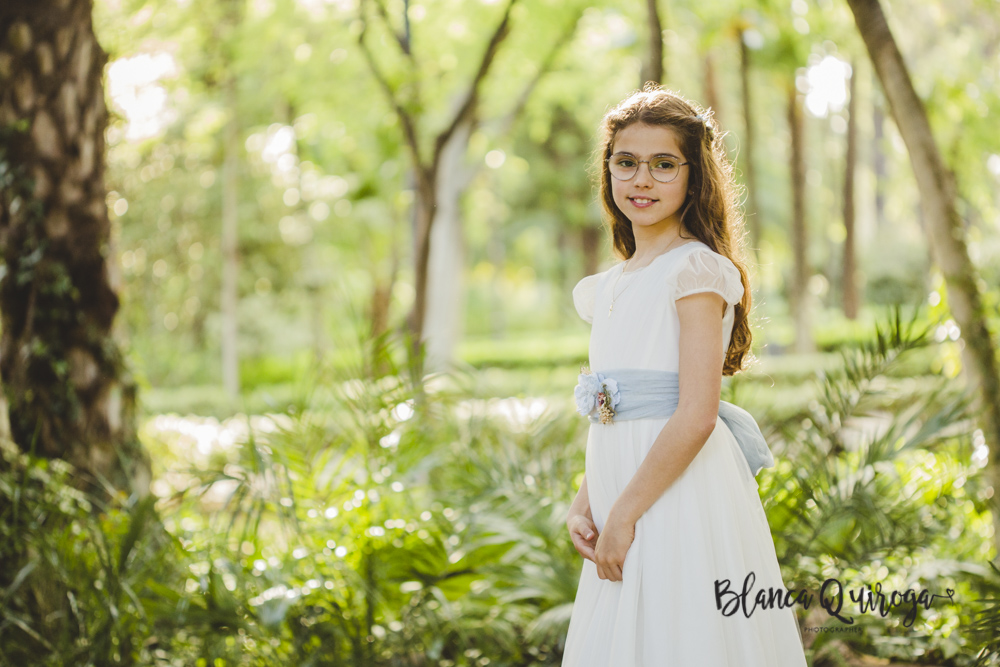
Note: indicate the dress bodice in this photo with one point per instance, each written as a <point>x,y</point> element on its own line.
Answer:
<point>643,329</point>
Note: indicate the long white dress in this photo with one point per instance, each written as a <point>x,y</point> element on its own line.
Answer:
<point>708,525</point>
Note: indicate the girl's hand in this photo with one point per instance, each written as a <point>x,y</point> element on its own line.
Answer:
<point>612,546</point>
<point>584,534</point>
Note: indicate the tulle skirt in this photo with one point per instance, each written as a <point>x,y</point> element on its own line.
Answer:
<point>709,526</point>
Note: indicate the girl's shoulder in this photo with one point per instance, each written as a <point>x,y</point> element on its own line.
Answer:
<point>702,269</point>
<point>585,294</point>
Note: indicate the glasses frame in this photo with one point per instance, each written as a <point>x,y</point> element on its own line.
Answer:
<point>607,160</point>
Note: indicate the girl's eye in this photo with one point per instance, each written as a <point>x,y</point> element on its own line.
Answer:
<point>625,162</point>
<point>664,164</point>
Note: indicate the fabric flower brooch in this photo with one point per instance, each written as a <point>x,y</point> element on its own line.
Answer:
<point>593,390</point>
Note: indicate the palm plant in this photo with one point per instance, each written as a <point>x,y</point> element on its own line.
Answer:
<point>878,483</point>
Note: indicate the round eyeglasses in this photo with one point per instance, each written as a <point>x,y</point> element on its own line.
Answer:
<point>661,167</point>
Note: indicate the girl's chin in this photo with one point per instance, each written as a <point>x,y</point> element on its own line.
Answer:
<point>647,221</point>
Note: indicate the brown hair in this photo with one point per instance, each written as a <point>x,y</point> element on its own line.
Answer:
<point>712,214</point>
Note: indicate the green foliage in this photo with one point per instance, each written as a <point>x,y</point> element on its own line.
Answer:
<point>83,585</point>
<point>382,524</point>
<point>875,485</point>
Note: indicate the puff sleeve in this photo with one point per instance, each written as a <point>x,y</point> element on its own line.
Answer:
<point>584,295</point>
<point>707,271</point>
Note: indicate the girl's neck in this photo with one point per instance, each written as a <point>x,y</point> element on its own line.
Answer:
<point>653,242</point>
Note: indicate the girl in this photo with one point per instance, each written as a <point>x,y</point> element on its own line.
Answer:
<point>668,518</point>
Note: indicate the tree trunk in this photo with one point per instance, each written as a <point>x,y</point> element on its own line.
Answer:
<point>424,204</point>
<point>711,88</point>
<point>798,291</point>
<point>590,242</point>
<point>878,163</point>
<point>229,299</point>
<point>67,386</point>
<point>936,184</point>
<point>497,254</point>
<point>849,281</point>
<point>749,143</point>
<point>445,293</point>
<point>652,68</point>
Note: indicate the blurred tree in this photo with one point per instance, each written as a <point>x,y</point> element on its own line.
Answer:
<point>798,288</point>
<point>231,154</point>
<point>443,176</point>
<point>749,138</point>
<point>711,87</point>
<point>447,146</point>
<point>652,64</point>
<point>944,226</point>
<point>878,157</point>
<point>850,283</point>
<point>69,392</point>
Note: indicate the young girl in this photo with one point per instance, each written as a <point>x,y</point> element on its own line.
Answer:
<point>668,518</point>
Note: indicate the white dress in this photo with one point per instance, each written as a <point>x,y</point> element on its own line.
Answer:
<point>708,525</point>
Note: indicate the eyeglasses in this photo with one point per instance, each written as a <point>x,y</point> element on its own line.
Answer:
<point>662,168</point>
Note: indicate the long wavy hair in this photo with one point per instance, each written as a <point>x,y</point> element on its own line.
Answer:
<point>712,214</point>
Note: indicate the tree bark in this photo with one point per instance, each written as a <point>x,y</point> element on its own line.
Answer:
<point>749,144</point>
<point>652,68</point>
<point>67,385</point>
<point>798,290</point>
<point>936,184</point>
<point>849,280</point>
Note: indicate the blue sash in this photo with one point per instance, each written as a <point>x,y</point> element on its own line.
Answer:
<point>647,394</point>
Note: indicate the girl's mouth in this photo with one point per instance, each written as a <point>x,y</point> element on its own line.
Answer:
<point>642,202</point>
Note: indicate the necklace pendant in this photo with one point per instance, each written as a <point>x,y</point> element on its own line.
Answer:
<point>611,308</point>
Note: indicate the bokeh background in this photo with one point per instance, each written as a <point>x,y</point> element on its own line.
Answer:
<point>321,493</point>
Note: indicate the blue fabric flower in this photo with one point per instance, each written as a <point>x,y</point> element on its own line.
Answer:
<point>586,390</point>
<point>589,385</point>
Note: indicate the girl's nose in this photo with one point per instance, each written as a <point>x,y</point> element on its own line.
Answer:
<point>643,179</point>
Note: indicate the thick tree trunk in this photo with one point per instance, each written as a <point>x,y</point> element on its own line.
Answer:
<point>798,290</point>
<point>65,380</point>
<point>229,298</point>
<point>849,281</point>
<point>749,143</point>
<point>652,67</point>
<point>936,184</point>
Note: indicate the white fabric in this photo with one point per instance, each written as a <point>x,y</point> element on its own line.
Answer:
<point>705,271</point>
<point>709,525</point>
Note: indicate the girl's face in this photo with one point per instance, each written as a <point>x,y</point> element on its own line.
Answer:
<point>644,200</point>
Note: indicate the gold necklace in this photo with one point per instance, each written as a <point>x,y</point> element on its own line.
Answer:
<point>615,286</point>
<point>614,296</point>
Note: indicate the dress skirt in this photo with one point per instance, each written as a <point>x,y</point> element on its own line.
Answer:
<point>708,526</point>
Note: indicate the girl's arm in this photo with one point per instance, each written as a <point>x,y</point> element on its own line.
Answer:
<point>581,504</point>
<point>701,361</point>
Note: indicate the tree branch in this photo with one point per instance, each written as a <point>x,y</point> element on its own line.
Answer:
<point>402,39</point>
<point>546,66</point>
<point>472,94</point>
<point>405,118</point>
